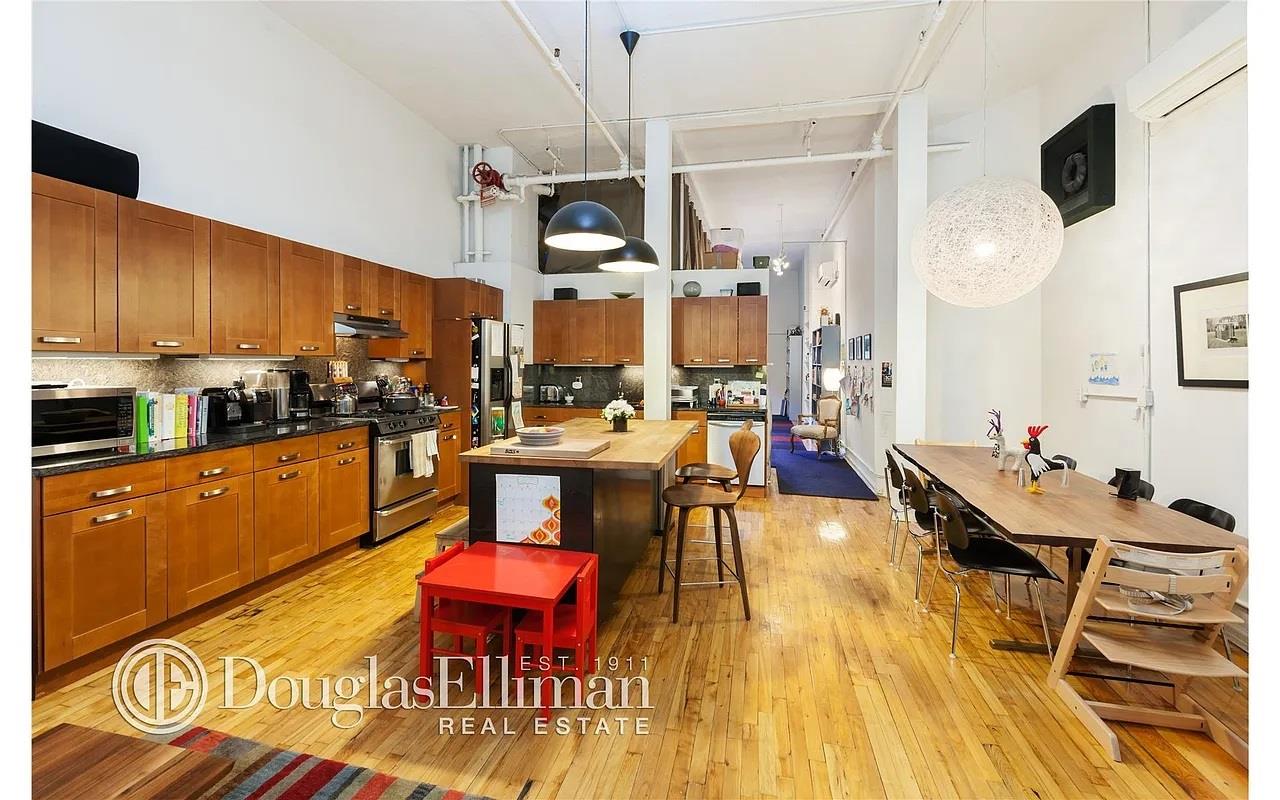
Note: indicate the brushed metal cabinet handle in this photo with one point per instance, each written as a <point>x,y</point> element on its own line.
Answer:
<point>214,492</point>
<point>286,476</point>
<point>751,360</point>
<point>247,346</point>
<point>346,445</point>
<point>166,343</point>
<point>60,339</point>
<point>625,360</point>
<point>416,352</point>
<point>342,462</point>
<point>111,492</point>
<point>209,473</point>
<point>352,308</point>
<point>386,312</point>
<point>451,438</point>
<point>128,512</point>
<point>287,457</point>
<point>723,360</point>
<point>696,360</point>
<point>309,348</point>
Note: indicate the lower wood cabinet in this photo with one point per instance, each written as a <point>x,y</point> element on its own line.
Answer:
<point>449,443</point>
<point>210,537</point>
<point>286,516</point>
<point>694,449</point>
<point>103,576</point>
<point>344,497</point>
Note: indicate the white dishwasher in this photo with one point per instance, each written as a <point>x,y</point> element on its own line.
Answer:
<point>718,433</point>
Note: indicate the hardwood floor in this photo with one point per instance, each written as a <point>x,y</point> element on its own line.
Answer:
<point>837,687</point>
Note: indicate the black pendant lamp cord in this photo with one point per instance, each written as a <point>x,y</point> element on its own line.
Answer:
<point>628,115</point>
<point>586,76</point>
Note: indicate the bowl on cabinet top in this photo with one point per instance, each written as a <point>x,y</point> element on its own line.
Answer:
<point>622,295</point>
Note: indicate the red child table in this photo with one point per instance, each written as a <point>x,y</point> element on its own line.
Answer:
<point>515,576</point>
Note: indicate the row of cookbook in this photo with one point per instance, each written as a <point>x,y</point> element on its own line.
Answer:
<point>180,415</point>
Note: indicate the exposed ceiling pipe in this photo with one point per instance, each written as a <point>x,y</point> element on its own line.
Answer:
<point>717,166</point>
<point>856,8</point>
<point>877,136</point>
<point>553,61</point>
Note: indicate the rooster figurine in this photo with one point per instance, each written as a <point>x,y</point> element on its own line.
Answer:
<point>1037,463</point>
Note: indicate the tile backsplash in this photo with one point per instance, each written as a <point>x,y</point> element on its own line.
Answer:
<point>703,377</point>
<point>599,384</point>
<point>168,373</point>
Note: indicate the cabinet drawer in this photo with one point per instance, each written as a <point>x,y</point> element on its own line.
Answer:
<point>283,453</point>
<point>354,438</point>
<point>216,465</point>
<point>450,420</point>
<point>535,415</point>
<point>99,486</point>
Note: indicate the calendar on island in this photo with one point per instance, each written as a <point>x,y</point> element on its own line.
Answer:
<point>528,509</point>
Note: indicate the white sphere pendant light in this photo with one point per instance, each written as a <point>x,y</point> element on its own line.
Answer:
<point>987,243</point>
<point>990,241</point>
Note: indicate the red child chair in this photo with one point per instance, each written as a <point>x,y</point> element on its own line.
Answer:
<point>574,629</point>
<point>461,620</point>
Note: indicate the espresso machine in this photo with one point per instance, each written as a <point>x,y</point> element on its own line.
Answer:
<point>236,409</point>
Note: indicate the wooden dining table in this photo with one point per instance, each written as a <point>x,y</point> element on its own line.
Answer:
<point>514,576</point>
<point>1071,516</point>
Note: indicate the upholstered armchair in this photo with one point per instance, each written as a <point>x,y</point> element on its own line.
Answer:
<point>824,427</point>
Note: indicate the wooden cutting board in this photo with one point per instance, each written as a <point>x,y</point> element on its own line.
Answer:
<point>568,448</point>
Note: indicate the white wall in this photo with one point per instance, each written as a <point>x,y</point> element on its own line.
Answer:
<point>857,228</point>
<point>235,115</point>
<point>784,313</point>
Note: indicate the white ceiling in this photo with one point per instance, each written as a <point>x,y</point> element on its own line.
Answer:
<point>732,88</point>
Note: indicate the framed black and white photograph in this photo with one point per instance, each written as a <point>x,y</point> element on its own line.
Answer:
<point>1211,321</point>
<point>853,348</point>
<point>857,349</point>
<point>866,347</point>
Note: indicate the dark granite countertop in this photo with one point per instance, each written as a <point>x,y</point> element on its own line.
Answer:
<point>149,451</point>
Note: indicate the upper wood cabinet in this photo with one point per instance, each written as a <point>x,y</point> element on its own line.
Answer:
<point>415,302</point>
<point>244,291</point>
<point>163,299</point>
<point>624,332</point>
<point>553,331</point>
<point>724,330</point>
<point>306,289</point>
<point>690,331</point>
<point>73,266</point>
<point>753,330</point>
<point>210,541</point>
<point>382,291</point>
<point>490,302</point>
<point>588,326</point>
<point>349,286</point>
<point>103,572</point>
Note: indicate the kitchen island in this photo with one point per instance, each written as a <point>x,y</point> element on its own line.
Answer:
<point>609,503</point>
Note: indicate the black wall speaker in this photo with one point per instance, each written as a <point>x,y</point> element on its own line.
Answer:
<point>564,293</point>
<point>70,157</point>
<point>1078,164</point>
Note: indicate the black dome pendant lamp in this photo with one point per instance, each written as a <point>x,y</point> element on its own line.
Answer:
<point>635,255</point>
<point>583,225</point>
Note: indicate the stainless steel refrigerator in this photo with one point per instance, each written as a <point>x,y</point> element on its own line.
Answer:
<point>497,365</point>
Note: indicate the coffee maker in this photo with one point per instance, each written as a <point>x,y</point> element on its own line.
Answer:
<point>300,394</point>
<point>235,409</point>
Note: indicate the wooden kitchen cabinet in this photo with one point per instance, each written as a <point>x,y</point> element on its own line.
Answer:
<point>458,298</point>
<point>724,330</point>
<point>344,497</point>
<point>381,291</point>
<point>694,449</point>
<point>244,291</point>
<point>163,280</point>
<point>286,516</point>
<point>349,287</point>
<point>103,572</point>
<point>691,331</point>
<point>73,266</point>
<point>588,325</point>
<point>490,302</point>
<point>450,446</point>
<point>210,541</point>
<point>553,331</point>
<point>415,302</point>
<point>753,330</point>
<point>306,293</point>
<point>624,332</point>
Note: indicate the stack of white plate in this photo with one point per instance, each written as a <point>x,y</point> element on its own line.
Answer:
<point>540,435</point>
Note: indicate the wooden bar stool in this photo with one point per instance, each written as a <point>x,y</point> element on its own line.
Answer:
<point>684,497</point>
<point>702,471</point>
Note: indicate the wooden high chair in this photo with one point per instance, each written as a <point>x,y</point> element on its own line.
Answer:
<point>1138,633</point>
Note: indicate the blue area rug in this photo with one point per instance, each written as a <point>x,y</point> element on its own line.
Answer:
<point>803,473</point>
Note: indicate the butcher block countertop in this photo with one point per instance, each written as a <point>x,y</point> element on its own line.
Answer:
<point>648,444</point>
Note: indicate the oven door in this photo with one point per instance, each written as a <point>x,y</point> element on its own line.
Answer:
<point>394,479</point>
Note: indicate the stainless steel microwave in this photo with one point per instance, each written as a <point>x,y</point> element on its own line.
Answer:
<point>79,418</point>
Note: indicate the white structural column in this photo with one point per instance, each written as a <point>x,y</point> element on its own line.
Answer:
<point>911,161</point>
<point>657,284</point>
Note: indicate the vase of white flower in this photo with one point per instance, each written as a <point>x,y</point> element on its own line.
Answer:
<point>618,412</point>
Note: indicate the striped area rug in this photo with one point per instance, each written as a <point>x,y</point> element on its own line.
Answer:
<point>262,772</point>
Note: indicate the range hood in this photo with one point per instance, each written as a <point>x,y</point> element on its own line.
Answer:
<point>354,327</point>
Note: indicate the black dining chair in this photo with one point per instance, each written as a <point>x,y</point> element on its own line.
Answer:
<point>919,521</point>
<point>990,554</point>
<point>1205,513</point>
<point>1145,490</point>
<point>896,491</point>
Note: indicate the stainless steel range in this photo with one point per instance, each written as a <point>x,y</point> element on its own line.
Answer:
<point>398,499</point>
